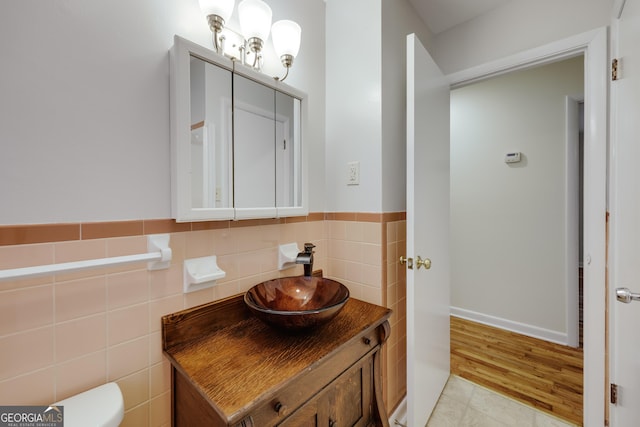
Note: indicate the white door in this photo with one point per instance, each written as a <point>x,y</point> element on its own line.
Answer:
<point>427,233</point>
<point>625,219</point>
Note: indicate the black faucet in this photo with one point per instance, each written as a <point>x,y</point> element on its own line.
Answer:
<point>306,258</point>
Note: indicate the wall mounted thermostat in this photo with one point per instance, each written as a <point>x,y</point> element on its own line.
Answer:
<point>512,157</point>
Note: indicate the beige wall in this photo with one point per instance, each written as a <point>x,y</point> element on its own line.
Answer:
<point>65,334</point>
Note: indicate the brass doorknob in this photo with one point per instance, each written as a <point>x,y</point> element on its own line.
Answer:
<point>426,263</point>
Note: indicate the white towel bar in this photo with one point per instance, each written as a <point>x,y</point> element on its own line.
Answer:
<point>159,257</point>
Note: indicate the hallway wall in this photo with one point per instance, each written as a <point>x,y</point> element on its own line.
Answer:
<point>508,247</point>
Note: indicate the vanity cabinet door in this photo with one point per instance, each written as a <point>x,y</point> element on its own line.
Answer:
<point>350,398</point>
<point>347,401</point>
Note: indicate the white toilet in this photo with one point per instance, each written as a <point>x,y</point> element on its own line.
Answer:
<point>102,406</point>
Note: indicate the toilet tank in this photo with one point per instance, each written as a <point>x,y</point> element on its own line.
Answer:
<point>102,406</point>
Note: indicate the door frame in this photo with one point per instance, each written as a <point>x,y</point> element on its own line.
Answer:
<point>593,45</point>
<point>572,217</point>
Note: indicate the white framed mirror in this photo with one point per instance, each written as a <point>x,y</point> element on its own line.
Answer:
<point>236,139</point>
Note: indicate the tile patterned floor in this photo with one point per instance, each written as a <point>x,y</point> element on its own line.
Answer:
<point>465,404</point>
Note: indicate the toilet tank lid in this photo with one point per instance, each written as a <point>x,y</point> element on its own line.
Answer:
<point>101,406</point>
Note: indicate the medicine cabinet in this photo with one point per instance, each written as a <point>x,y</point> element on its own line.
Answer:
<point>236,140</point>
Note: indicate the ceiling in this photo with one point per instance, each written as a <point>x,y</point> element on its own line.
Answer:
<point>440,15</point>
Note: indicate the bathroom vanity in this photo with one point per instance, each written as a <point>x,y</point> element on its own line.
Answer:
<point>230,369</point>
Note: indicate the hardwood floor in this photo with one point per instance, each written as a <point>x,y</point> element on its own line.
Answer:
<point>544,375</point>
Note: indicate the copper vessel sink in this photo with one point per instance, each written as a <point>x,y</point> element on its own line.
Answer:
<point>297,302</point>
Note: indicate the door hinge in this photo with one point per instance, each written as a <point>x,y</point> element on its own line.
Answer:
<point>613,394</point>
<point>614,69</point>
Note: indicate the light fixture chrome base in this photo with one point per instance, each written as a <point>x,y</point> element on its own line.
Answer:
<point>255,45</point>
<point>216,24</point>
<point>287,61</point>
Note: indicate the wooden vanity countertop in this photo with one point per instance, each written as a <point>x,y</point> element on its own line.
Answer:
<point>234,358</point>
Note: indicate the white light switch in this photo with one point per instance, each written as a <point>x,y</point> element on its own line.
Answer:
<point>353,173</point>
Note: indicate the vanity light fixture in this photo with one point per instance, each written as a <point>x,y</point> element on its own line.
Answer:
<point>286,42</point>
<point>217,13</point>
<point>255,23</point>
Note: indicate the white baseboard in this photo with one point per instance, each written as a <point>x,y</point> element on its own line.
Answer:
<point>510,325</point>
<point>400,414</point>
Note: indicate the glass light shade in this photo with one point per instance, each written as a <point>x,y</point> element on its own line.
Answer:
<point>255,19</point>
<point>222,8</point>
<point>286,38</point>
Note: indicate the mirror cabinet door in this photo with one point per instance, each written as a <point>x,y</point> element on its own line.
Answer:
<point>210,148</point>
<point>288,152</point>
<point>254,157</point>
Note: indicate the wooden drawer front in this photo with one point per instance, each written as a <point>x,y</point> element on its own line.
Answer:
<point>303,387</point>
<point>307,416</point>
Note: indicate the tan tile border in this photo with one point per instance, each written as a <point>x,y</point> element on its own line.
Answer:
<point>395,216</point>
<point>203,225</point>
<point>47,233</point>
<point>156,226</point>
<point>101,230</point>
<point>40,233</point>
<point>365,216</point>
